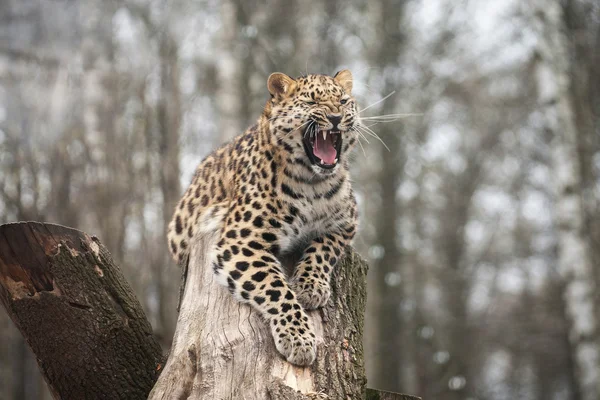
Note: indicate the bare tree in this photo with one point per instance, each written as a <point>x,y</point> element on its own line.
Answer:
<point>574,259</point>
<point>384,52</point>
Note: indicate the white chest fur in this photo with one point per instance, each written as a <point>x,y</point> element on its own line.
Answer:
<point>314,218</point>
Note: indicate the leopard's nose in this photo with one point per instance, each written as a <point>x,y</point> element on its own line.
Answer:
<point>335,119</point>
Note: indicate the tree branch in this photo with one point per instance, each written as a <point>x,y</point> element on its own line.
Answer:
<point>77,312</point>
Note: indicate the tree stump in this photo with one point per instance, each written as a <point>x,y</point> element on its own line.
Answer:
<point>223,349</point>
<point>77,312</point>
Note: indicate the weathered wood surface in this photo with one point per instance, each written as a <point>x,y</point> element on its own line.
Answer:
<point>77,312</point>
<point>223,350</point>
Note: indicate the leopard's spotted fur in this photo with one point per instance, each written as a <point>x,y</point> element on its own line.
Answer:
<point>274,198</point>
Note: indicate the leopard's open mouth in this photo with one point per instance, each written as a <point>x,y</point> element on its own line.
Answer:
<point>323,147</point>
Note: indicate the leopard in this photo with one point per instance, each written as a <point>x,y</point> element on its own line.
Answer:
<point>281,186</point>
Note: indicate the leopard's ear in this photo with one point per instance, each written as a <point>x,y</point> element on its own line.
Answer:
<point>279,84</point>
<point>344,78</point>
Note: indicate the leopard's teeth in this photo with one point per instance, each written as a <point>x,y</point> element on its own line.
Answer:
<point>324,135</point>
<point>335,161</point>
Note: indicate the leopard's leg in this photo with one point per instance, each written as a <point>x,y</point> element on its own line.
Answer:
<point>245,263</point>
<point>311,278</point>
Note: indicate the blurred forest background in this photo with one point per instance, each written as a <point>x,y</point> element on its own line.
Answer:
<point>481,224</point>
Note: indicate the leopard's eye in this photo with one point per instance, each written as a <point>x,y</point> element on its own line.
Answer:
<point>343,101</point>
<point>311,103</point>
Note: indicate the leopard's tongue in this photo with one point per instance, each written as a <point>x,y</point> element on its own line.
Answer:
<point>324,148</point>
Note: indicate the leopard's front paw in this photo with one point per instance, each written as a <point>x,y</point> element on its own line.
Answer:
<point>295,339</point>
<point>311,293</point>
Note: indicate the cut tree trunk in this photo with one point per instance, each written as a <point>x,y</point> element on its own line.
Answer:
<point>92,340</point>
<point>222,349</point>
<point>77,312</point>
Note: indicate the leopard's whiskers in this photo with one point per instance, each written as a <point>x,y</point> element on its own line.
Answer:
<point>377,102</point>
<point>359,142</point>
<point>389,117</point>
<point>370,132</point>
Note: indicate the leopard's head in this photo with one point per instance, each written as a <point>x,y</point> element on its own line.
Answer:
<point>313,119</point>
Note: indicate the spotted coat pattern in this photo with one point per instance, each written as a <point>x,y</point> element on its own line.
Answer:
<point>274,198</point>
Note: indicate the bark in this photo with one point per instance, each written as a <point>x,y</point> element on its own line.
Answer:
<point>76,312</point>
<point>222,349</point>
<point>382,395</point>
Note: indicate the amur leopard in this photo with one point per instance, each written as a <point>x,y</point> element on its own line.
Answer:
<point>283,183</point>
